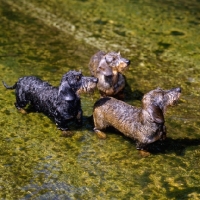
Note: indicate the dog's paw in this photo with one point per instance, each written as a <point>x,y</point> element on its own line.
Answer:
<point>144,154</point>
<point>100,134</point>
<point>66,134</point>
<point>21,110</point>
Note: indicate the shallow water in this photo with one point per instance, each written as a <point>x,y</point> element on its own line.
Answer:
<point>48,38</point>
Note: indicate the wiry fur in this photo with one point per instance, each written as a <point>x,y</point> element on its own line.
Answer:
<point>108,68</point>
<point>145,125</point>
<point>59,103</point>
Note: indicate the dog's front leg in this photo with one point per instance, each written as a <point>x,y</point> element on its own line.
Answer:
<point>62,125</point>
<point>163,133</point>
<point>140,146</point>
<point>66,132</point>
<point>79,117</point>
<point>119,87</point>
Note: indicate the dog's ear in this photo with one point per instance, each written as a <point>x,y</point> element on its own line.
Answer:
<point>65,92</point>
<point>156,113</point>
<point>104,68</point>
<point>152,108</point>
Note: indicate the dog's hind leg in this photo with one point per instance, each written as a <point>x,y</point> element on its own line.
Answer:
<point>20,104</point>
<point>140,146</point>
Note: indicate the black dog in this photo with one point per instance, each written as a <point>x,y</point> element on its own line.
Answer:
<point>59,103</point>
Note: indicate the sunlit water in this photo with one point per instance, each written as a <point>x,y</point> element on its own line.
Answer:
<point>48,38</point>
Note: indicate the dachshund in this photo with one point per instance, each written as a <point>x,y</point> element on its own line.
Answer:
<point>62,104</point>
<point>108,68</point>
<point>144,125</point>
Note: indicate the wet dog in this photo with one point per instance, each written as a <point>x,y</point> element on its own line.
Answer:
<point>62,103</point>
<point>108,68</point>
<point>145,125</point>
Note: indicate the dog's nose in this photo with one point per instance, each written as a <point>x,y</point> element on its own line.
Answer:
<point>128,62</point>
<point>178,89</point>
<point>95,80</point>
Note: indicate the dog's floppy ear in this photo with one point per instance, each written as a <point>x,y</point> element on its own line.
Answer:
<point>104,68</point>
<point>65,92</point>
<point>153,108</point>
<point>156,113</point>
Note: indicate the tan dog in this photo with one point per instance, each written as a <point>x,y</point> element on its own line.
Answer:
<point>145,125</point>
<point>108,68</point>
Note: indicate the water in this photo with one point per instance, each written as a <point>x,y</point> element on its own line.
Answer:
<point>48,38</point>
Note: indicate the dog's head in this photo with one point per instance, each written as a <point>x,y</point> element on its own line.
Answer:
<point>88,85</point>
<point>156,101</point>
<point>74,82</point>
<point>117,62</point>
<point>112,63</point>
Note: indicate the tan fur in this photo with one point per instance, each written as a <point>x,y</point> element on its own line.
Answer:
<point>145,125</point>
<point>108,68</point>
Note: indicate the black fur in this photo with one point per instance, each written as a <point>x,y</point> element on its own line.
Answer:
<point>59,103</point>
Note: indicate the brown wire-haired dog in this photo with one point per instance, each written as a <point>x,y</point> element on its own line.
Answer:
<point>145,125</point>
<point>108,68</point>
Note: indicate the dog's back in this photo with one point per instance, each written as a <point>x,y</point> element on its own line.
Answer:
<point>27,83</point>
<point>109,111</point>
<point>37,92</point>
<point>33,86</point>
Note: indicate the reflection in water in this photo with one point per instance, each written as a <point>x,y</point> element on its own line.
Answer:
<point>48,38</point>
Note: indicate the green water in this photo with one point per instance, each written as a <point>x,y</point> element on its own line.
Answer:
<point>48,38</point>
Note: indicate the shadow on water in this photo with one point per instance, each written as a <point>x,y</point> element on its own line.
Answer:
<point>177,146</point>
<point>168,146</point>
<point>180,193</point>
<point>131,95</point>
<point>72,125</point>
<point>48,38</point>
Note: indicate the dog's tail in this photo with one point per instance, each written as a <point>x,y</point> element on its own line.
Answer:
<point>9,87</point>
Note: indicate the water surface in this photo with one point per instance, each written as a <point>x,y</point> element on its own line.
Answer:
<point>48,38</point>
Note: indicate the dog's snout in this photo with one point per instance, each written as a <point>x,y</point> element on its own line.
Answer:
<point>128,62</point>
<point>95,80</point>
<point>178,89</point>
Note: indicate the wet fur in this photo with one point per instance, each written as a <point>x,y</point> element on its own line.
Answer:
<point>108,68</point>
<point>145,125</point>
<point>62,103</point>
